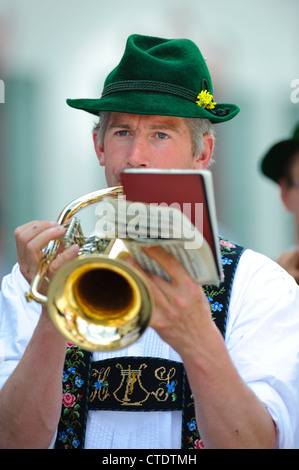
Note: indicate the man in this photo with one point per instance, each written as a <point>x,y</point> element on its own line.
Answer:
<point>281,164</point>
<point>244,385</point>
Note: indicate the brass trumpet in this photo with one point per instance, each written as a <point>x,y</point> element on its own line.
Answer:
<point>97,301</point>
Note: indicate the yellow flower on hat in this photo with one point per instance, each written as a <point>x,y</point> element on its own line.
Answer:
<point>205,100</point>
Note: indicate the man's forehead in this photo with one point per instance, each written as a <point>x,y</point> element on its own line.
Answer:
<point>153,121</point>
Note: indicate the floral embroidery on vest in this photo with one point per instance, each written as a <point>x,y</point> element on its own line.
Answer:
<point>74,398</point>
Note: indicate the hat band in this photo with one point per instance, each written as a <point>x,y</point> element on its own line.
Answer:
<point>160,87</point>
<point>151,86</point>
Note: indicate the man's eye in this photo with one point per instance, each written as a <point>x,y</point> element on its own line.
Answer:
<point>122,133</point>
<point>161,135</point>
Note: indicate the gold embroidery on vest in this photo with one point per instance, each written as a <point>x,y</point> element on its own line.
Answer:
<point>161,394</point>
<point>131,381</point>
<point>101,384</point>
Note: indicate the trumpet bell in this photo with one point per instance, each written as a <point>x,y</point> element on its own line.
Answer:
<point>99,303</point>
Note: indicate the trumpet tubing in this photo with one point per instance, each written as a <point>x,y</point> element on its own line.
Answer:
<point>97,301</point>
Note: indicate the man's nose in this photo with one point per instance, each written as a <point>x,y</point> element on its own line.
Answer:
<point>139,152</point>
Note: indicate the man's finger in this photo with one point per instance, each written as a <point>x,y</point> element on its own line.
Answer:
<point>172,267</point>
<point>69,254</point>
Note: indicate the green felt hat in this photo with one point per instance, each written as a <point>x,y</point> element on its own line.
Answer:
<point>276,159</point>
<point>159,77</point>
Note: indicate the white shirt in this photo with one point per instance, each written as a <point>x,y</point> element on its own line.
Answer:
<point>262,338</point>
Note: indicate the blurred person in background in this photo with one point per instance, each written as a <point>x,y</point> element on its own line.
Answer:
<point>281,164</point>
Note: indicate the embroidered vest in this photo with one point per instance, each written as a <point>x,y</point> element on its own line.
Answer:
<point>86,383</point>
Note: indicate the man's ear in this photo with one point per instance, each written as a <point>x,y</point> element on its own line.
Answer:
<point>99,149</point>
<point>201,161</point>
<point>285,194</point>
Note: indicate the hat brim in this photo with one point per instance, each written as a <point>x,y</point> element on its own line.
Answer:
<point>276,159</point>
<point>152,104</point>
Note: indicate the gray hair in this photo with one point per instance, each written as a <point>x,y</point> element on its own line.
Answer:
<point>198,128</point>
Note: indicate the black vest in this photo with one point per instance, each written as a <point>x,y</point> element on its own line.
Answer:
<point>137,384</point>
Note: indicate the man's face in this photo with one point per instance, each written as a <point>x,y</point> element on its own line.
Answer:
<point>141,141</point>
<point>292,191</point>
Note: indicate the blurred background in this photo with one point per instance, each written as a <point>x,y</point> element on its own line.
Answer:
<point>50,51</point>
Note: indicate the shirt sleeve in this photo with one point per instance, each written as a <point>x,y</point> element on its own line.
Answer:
<point>262,338</point>
<point>18,319</point>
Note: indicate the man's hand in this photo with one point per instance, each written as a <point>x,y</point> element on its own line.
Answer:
<point>31,238</point>
<point>182,313</point>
